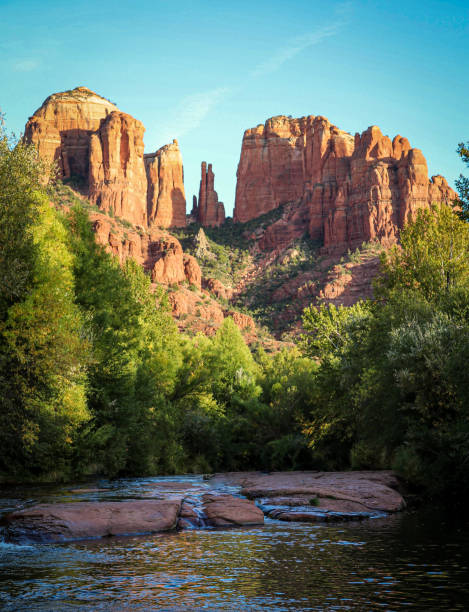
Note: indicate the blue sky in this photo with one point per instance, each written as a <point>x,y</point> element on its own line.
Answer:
<point>204,71</point>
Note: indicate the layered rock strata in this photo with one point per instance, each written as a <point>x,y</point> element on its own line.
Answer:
<point>345,190</point>
<point>208,211</point>
<point>166,196</point>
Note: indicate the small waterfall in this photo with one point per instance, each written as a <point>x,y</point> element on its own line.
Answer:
<point>192,514</point>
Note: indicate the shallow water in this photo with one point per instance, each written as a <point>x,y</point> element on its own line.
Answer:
<point>415,560</point>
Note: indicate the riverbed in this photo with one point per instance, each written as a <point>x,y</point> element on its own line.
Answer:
<point>410,560</point>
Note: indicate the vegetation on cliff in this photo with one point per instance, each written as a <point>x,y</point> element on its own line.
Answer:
<point>95,377</point>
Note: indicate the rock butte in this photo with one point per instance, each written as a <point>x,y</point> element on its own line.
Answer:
<point>341,190</point>
<point>62,127</point>
<point>102,149</point>
<point>346,190</point>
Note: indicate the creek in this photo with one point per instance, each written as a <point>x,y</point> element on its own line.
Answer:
<point>411,560</point>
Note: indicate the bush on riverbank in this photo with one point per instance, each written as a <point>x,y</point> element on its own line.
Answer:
<point>392,387</point>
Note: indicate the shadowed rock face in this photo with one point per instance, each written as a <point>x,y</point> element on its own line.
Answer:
<point>345,189</point>
<point>166,196</point>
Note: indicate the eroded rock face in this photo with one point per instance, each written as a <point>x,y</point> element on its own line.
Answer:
<point>61,128</point>
<point>117,178</point>
<point>63,522</point>
<point>218,288</point>
<point>344,190</point>
<point>192,271</point>
<point>102,148</point>
<point>208,211</point>
<point>166,196</point>
<point>168,266</point>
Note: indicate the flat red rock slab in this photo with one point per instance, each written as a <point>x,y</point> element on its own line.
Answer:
<point>373,491</point>
<point>225,510</point>
<point>82,520</point>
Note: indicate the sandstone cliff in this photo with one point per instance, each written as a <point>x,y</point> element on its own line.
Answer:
<point>62,127</point>
<point>208,211</point>
<point>117,179</point>
<point>344,190</point>
<point>101,148</point>
<point>166,197</point>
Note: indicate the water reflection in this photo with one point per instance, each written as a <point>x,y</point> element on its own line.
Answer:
<point>417,560</point>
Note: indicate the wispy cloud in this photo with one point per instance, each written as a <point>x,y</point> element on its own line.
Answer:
<point>192,110</point>
<point>26,65</point>
<point>296,45</point>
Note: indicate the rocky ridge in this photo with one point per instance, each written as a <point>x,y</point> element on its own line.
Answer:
<point>343,190</point>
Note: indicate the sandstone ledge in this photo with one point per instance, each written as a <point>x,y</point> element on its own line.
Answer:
<point>314,497</point>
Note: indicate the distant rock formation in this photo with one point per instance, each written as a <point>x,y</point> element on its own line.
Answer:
<point>100,147</point>
<point>208,211</point>
<point>202,246</point>
<point>166,196</point>
<point>344,190</point>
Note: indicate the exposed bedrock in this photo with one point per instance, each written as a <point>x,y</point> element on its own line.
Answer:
<point>101,149</point>
<point>62,127</point>
<point>167,505</point>
<point>117,178</point>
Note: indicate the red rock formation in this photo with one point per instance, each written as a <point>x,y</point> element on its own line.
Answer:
<point>166,197</point>
<point>168,266</point>
<point>345,190</point>
<point>117,178</point>
<point>217,288</point>
<point>61,128</point>
<point>208,211</point>
<point>158,252</point>
<point>95,519</point>
<point>192,271</point>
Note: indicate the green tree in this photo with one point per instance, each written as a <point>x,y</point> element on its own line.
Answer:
<point>431,259</point>
<point>43,354</point>
<point>135,359</point>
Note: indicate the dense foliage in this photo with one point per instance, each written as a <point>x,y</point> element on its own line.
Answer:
<point>392,389</point>
<point>96,379</point>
